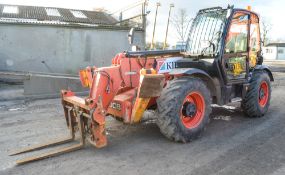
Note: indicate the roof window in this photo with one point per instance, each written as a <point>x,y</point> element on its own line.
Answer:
<point>11,9</point>
<point>52,12</point>
<point>78,14</point>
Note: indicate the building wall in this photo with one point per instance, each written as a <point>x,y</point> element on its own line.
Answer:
<point>55,49</point>
<point>269,53</point>
<point>281,53</point>
<point>274,53</point>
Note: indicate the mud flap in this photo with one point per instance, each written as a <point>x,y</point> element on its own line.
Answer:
<point>151,85</point>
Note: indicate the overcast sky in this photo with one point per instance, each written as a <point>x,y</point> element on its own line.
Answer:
<point>272,10</point>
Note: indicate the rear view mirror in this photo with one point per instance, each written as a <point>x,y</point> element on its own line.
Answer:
<point>135,48</point>
<point>131,36</point>
<point>229,11</point>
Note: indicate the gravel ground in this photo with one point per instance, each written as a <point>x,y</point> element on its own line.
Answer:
<point>232,143</point>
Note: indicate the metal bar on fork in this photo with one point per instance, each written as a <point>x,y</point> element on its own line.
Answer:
<point>50,143</point>
<point>59,151</point>
<point>41,146</point>
<point>50,154</point>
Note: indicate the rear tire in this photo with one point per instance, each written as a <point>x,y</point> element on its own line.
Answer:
<point>257,99</point>
<point>183,109</point>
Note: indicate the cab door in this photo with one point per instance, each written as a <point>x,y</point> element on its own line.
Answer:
<point>254,43</point>
<point>236,49</point>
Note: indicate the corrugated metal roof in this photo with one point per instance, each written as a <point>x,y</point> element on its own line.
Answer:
<point>276,44</point>
<point>34,14</point>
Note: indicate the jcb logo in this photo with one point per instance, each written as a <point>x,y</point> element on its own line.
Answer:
<point>116,106</point>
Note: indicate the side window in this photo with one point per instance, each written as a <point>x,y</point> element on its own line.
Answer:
<point>254,44</point>
<point>254,34</point>
<point>236,40</point>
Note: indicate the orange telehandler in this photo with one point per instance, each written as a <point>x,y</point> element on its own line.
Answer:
<point>222,62</point>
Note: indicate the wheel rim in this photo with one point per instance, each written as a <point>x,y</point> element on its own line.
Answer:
<point>193,109</point>
<point>263,94</point>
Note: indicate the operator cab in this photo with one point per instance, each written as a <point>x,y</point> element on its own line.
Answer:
<point>225,42</point>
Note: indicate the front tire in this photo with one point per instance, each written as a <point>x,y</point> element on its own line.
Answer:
<point>183,109</point>
<point>257,99</point>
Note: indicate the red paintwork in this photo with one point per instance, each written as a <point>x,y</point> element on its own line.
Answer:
<point>263,87</point>
<point>198,100</point>
<point>125,100</point>
<point>65,93</point>
<point>117,83</point>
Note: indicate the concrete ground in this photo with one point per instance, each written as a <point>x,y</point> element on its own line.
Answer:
<point>232,144</point>
<point>275,65</point>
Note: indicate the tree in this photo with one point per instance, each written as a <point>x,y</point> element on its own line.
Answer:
<point>157,45</point>
<point>99,9</point>
<point>266,26</point>
<point>181,22</point>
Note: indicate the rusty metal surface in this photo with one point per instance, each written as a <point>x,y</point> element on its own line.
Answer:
<point>151,86</point>
<point>74,100</point>
<point>43,145</point>
<point>57,142</point>
<point>50,154</point>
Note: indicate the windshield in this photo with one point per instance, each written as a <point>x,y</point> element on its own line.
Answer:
<point>207,27</point>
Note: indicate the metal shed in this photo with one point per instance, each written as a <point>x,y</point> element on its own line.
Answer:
<point>57,40</point>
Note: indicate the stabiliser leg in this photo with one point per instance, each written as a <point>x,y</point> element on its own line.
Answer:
<point>56,142</point>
